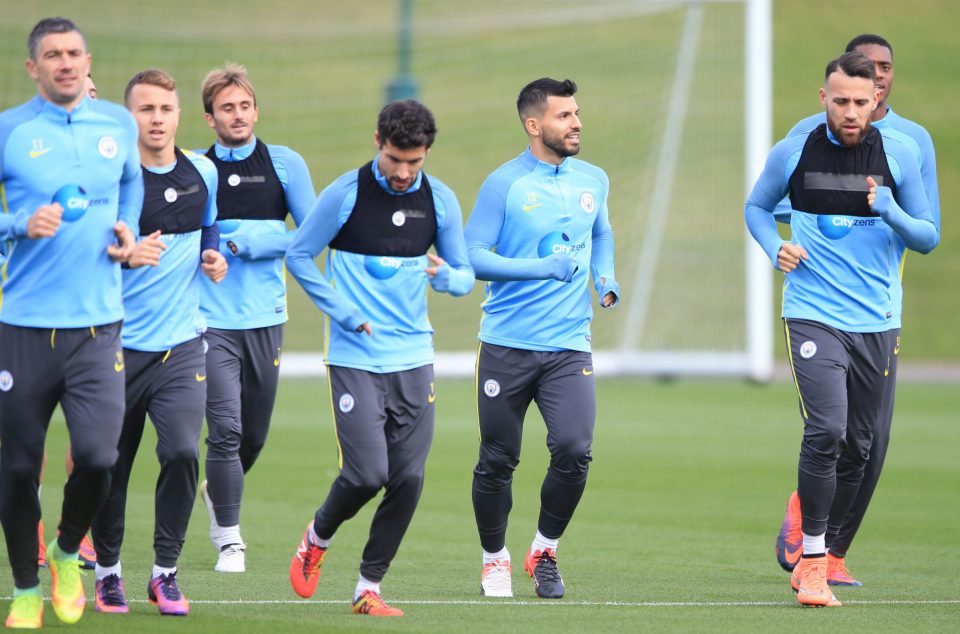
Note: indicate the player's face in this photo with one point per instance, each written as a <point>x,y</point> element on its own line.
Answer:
<point>60,68</point>
<point>157,112</point>
<point>849,102</point>
<point>883,60</point>
<point>560,127</point>
<point>234,115</point>
<point>400,167</point>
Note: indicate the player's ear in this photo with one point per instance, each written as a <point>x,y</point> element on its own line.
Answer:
<point>376,139</point>
<point>209,119</point>
<point>532,126</point>
<point>823,97</point>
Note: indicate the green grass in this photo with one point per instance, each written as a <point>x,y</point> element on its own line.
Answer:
<point>321,68</point>
<point>685,495</point>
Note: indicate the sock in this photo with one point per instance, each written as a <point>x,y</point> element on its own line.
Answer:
<point>814,544</point>
<point>230,535</point>
<point>105,571</point>
<point>489,558</point>
<point>317,540</point>
<point>365,584</point>
<point>158,570</point>
<point>542,543</point>
<point>19,592</point>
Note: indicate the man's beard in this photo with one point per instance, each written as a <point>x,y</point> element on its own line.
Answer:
<point>558,146</point>
<point>845,140</point>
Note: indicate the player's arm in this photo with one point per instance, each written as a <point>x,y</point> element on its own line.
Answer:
<point>909,213</point>
<point>320,227</point>
<point>759,210</point>
<point>130,197</point>
<point>601,256</point>
<point>297,185</point>
<point>212,262</point>
<point>451,271</point>
<point>482,234</point>
<point>928,173</point>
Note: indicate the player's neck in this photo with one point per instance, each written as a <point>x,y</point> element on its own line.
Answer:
<point>545,154</point>
<point>880,112</point>
<point>158,158</point>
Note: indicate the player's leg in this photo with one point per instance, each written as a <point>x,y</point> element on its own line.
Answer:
<point>176,410</point>
<point>109,523</point>
<point>261,375</point>
<point>30,385</point>
<point>878,452</point>
<point>871,386</point>
<point>506,379</point>
<point>818,355</point>
<point>409,432</point>
<point>223,487</point>
<point>566,396</point>
<point>93,405</point>
<point>359,420</point>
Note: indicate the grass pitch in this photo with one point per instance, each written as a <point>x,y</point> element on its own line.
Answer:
<point>674,533</point>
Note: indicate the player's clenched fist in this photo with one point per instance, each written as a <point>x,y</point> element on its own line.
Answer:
<point>45,221</point>
<point>213,265</point>
<point>789,256</point>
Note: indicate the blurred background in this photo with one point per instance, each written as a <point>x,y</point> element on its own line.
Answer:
<point>323,69</point>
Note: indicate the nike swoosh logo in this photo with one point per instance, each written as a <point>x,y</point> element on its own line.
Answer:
<point>793,556</point>
<point>532,207</point>
<point>118,367</point>
<point>200,377</point>
<point>36,153</point>
<point>431,398</point>
<point>587,372</point>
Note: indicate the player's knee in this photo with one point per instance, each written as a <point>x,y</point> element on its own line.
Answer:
<point>178,453</point>
<point>572,451</point>
<point>93,458</point>
<point>368,481</point>
<point>224,443</point>
<point>496,463</point>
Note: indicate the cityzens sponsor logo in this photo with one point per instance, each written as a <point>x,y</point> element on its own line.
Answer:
<point>383,267</point>
<point>836,227</point>
<point>560,243</point>
<point>74,201</point>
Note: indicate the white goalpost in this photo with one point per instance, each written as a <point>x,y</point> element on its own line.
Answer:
<point>697,293</point>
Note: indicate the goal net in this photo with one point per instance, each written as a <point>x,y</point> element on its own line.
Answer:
<point>665,102</point>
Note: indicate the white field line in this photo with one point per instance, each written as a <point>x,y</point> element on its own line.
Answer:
<point>551,604</point>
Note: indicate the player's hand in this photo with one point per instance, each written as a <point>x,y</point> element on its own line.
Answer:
<point>232,246</point>
<point>436,261</point>
<point>880,198</point>
<point>563,266</point>
<point>365,327</point>
<point>213,265</point>
<point>147,251</point>
<point>789,256</point>
<point>609,299</point>
<point>872,192</point>
<point>45,221</point>
<point>126,243</point>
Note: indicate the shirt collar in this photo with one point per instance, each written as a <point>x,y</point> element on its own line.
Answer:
<point>234,154</point>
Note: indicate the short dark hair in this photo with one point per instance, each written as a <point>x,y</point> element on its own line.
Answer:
<point>533,97</point>
<point>852,64</point>
<point>868,38</point>
<point>44,28</point>
<point>406,124</point>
